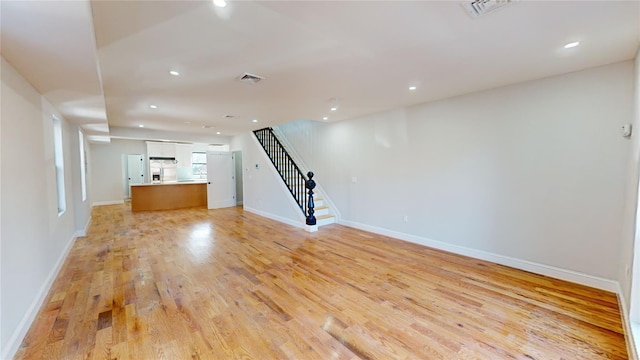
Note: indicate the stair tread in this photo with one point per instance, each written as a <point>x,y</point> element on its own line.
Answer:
<point>324,216</point>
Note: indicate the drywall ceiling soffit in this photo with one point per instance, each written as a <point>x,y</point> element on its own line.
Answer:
<point>51,44</point>
<point>171,136</point>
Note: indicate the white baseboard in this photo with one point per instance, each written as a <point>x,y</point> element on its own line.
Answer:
<point>281,219</point>
<point>112,202</point>
<point>630,329</point>
<point>13,344</point>
<point>222,204</point>
<point>83,232</point>
<point>542,269</point>
<point>627,326</point>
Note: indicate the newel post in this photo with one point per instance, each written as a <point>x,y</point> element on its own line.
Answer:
<point>311,220</point>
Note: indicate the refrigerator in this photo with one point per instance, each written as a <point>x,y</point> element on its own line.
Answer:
<point>163,169</point>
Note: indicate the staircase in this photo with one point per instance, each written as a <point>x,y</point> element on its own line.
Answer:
<point>323,215</point>
<point>295,179</point>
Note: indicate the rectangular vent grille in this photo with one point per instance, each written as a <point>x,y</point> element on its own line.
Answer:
<point>250,78</point>
<point>479,8</point>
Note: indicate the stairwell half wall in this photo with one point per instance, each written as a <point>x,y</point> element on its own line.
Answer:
<point>264,191</point>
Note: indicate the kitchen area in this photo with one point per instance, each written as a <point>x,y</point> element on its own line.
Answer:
<point>178,177</point>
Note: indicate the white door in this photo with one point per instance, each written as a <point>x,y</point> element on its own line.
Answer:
<point>135,167</point>
<point>134,172</point>
<point>221,184</point>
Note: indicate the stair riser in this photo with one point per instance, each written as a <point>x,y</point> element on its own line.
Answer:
<point>321,212</point>
<point>321,222</point>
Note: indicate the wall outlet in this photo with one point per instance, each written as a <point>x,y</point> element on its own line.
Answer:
<point>405,218</point>
<point>627,271</point>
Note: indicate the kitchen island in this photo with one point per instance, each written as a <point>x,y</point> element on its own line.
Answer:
<point>169,195</point>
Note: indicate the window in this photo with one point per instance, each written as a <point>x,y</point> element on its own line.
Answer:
<point>83,167</point>
<point>59,162</point>
<point>199,163</point>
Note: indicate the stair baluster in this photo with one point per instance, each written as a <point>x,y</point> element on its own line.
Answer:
<point>290,173</point>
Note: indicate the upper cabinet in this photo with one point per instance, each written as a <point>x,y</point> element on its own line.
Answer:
<point>161,149</point>
<point>181,152</point>
<point>183,155</point>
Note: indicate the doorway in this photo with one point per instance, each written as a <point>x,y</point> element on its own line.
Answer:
<point>237,161</point>
<point>132,172</point>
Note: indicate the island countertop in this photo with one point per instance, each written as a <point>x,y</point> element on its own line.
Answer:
<point>179,182</point>
<point>169,195</point>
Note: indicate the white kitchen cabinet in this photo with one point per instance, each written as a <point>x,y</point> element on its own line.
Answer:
<point>161,149</point>
<point>183,155</point>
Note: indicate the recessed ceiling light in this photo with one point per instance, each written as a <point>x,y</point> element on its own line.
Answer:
<point>174,73</point>
<point>140,125</point>
<point>572,44</point>
<point>334,108</point>
<point>325,118</point>
<point>412,88</point>
<point>254,120</point>
<point>218,132</point>
<point>153,106</point>
<point>220,3</point>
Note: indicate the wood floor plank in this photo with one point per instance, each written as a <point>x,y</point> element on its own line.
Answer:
<point>228,284</point>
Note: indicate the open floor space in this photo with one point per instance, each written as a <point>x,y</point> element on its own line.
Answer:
<point>228,284</point>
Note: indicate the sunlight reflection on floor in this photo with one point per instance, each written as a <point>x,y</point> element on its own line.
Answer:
<point>200,240</point>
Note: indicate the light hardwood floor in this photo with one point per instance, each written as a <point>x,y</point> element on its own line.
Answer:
<point>227,284</point>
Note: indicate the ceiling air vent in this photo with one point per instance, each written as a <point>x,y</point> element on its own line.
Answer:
<point>479,8</point>
<point>250,78</point>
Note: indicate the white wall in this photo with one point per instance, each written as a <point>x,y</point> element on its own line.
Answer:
<point>629,269</point>
<point>3,342</point>
<point>106,168</point>
<point>264,191</point>
<point>629,225</point>
<point>34,239</point>
<point>534,172</point>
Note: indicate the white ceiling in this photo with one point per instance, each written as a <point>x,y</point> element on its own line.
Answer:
<point>51,43</point>
<point>360,56</point>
